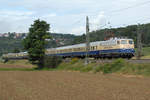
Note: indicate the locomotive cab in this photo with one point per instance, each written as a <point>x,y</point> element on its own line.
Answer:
<point>125,43</point>
<point>126,47</point>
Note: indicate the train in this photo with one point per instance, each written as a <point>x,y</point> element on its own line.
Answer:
<point>112,48</point>
<point>21,55</point>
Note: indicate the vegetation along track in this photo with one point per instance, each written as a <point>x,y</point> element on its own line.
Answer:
<point>140,61</point>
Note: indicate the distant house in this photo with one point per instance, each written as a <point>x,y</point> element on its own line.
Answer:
<point>1,35</point>
<point>5,35</point>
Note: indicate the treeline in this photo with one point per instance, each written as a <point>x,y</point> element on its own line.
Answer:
<point>11,45</point>
<point>59,39</point>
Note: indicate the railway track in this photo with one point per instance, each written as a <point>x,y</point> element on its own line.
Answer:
<point>103,60</point>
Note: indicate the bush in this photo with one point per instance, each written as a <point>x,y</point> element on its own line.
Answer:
<point>112,67</point>
<point>106,68</point>
<point>68,66</point>
<point>97,69</point>
<point>52,61</point>
<point>117,65</point>
<point>74,60</point>
<point>87,69</point>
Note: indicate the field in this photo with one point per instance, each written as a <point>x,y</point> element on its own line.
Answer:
<point>70,85</point>
<point>64,85</point>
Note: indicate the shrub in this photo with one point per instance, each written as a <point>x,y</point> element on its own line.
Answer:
<point>117,65</point>
<point>111,67</point>
<point>106,68</point>
<point>86,69</point>
<point>74,60</point>
<point>52,61</point>
<point>97,69</point>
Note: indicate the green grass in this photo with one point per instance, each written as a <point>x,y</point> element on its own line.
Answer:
<point>17,69</point>
<point>27,69</point>
<point>145,53</point>
<point>117,66</point>
<point>123,67</point>
<point>19,62</point>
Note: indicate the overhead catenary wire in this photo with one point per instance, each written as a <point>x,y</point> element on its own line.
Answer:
<point>136,22</point>
<point>110,13</point>
<point>117,11</point>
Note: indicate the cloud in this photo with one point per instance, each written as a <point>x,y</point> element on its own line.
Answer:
<point>4,26</point>
<point>78,30</point>
<point>47,16</point>
<point>98,21</point>
<point>15,21</point>
<point>67,16</point>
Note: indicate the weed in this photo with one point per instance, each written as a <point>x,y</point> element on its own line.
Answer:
<point>74,60</point>
<point>87,69</point>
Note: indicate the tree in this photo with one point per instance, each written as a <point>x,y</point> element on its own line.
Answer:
<point>16,50</point>
<point>35,42</point>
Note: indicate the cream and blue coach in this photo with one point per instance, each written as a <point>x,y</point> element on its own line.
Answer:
<point>21,55</point>
<point>113,48</point>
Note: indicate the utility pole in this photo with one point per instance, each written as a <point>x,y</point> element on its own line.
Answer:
<point>139,42</point>
<point>87,41</point>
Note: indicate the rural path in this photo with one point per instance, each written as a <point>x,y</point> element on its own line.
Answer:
<point>64,85</point>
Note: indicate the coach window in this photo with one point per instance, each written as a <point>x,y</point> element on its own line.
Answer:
<point>91,48</point>
<point>95,47</point>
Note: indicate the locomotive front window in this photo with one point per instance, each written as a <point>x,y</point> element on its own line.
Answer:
<point>130,42</point>
<point>123,41</point>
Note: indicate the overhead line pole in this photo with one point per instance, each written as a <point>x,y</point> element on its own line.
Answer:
<point>139,42</point>
<point>87,41</point>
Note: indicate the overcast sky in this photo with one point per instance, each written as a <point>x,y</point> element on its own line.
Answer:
<point>68,16</point>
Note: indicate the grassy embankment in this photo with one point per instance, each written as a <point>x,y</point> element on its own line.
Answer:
<point>119,66</point>
<point>145,53</point>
